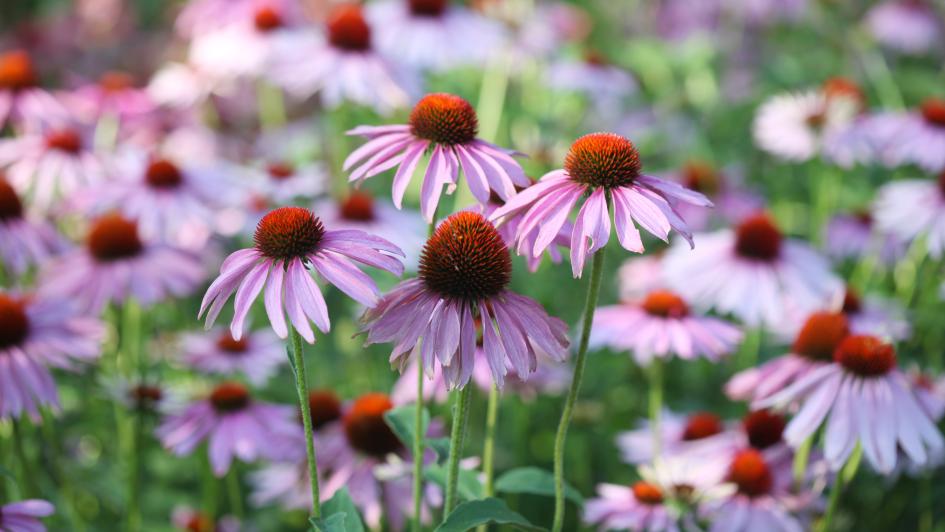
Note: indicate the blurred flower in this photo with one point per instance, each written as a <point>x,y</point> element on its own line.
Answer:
<point>678,20</point>
<point>281,182</point>
<point>869,401</point>
<point>907,26</point>
<point>662,325</point>
<point>766,12</point>
<point>287,240</point>
<point>638,508</point>
<point>256,355</point>
<point>190,520</point>
<point>603,84</point>
<point>116,264</point>
<point>114,96</point>
<point>181,85</point>
<point>733,201</point>
<point>509,229</point>
<point>202,16</point>
<point>914,208</point>
<point>929,391</point>
<point>547,26</point>
<point>233,424</point>
<point>854,236</point>
<point>21,98</point>
<point>433,34</point>
<point>36,333</point>
<point>24,516</point>
<point>24,241</point>
<point>465,269</point>
<point>915,137</point>
<point>698,434</point>
<point>142,396</point>
<point>605,167</point>
<point>875,315</point>
<point>752,272</point>
<point>445,126</point>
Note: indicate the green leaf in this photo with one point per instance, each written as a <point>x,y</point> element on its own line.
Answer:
<point>332,523</point>
<point>441,446</point>
<point>471,514</point>
<point>341,503</point>
<point>535,481</point>
<point>401,421</point>
<point>467,485</point>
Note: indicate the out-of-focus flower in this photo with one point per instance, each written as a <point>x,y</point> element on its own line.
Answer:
<point>875,315</point>
<point>868,401</point>
<point>234,424</point>
<point>287,241</point>
<point>189,519</point>
<point>913,209</point>
<point>21,98</point>
<point>915,137</point>
<point>733,201</point>
<point>766,12</point>
<point>114,96</point>
<point>202,16</point>
<point>180,86</point>
<point>907,26</point>
<point>548,26</point>
<point>678,20</point>
<point>280,182</point>
<point>641,507</point>
<point>604,167</point>
<point>638,276</point>
<point>603,84</point>
<point>256,355</point>
<point>661,325</point>
<point>444,125</point>
<point>693,435</point>
<point>24,241</point>
<point>142,396</point>
<point>752,272</point>
<point>25,516</point>
<point>115,264</point>
<point>855,236</point>
<point>37,333</point>
<point>465,269</point>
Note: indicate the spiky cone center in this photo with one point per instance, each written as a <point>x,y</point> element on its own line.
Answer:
<point>701,425</point>
<point>366,429</point>
<point>750,473</point>
<point>933,111</point>
<point>466,259</point>
<point>163,174</point>
<point>116,81</point>
<point>866,356</point>
<point>852,304</point>
<point>324,406</point>
<point>701,177</point>
<point>229,397</point>
<point>280,171</point>
<point>267,19</point>
<point>647,493</point>
<point>288,232</point>
<point>844,88</point>
<point>758,238</point>
<point>113,237</point>
<point>665,304</point>
<point>231,346</point>
<point>764,428</point>
<point>145,396</point>
<point>427,8</point>
<point>603,160</point>
<point>16,71</point>
<point>358,207</point>
<point>14,322</point>
<point>11,208</point>
<point>347,28</point>
<point>820,335</point>
<point>444,119</point>
<point>64,140</point>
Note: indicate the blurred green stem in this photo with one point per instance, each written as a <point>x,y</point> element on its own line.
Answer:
<point>418,450</point>
<point>843,478</point>
<point>66,489</point>
<point>488,450</point>
<point>655,375</point>
<point>234,493</point>
<point>593,291</point>
<point>457,440</point>
<point>800,460</point>
<point>130,345</point>
<point>302,389</point>
<point>27,479</point>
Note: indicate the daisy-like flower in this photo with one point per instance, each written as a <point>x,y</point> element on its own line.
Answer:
<point>593,76</point>
<point>913,209</point>
<point>24,242</point>
<point>25,516</point>
<point>342,65</point>
<point>694,435</point>
<point>142,396</point>
<point>20,95</point>
<point>288,241</point>
<point>465,269</point>
<point>638,276</point>
<point>906,26</point>
<point>916,137</point>
<point>280,182</point>
<point>445,126</point>
<point>256,355</point>
<point>509,229</point>
<point>752,272</point>
<point>603,167</point>
<point>860,398</point>
<point>114,95</point>
<point>434,34</point>
<point>37,333</point>
<point>640,507</point>
<point>875,315</point>
<point>793,126</point>
<point>930,392</point>
<point>733,202</point>
<point>813,348</point>
<point>660,326</point>
<point>854,236</point>
<point>115,264</point>
<point>51,161</point>
<point>202,16</point>
<point>234,424</point>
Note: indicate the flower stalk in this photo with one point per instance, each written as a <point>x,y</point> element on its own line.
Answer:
<point>302,388</point>
<point>457,440</point>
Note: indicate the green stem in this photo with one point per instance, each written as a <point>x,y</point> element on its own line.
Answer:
<point>63,479</point>
<point>234,493</point>
<point>457,439</point>
<point>209,486</point>
<point>418,450</point>
<point>130,342</point>
<point>27,478</point>
<point>302,389</point>
<point>134,473</point>
<point>843,478</point>
<point>655,402</point>
<point>800,460</point>
<point>593,291</point>
<point>488,451</point>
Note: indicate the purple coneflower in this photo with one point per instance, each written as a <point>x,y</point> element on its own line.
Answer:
<point>693,435</point>
<point>445,126</point>
<point>869,402</point>
<point>638,508</point>
<point>24,242</point>
<point>20,95</point>
<point>640,275</point>
<point>280,182</point>
<point>116,264</point>
<point>605,168</point>
<point>907,26</point>
<point>25,516</point>
<point>875,315</point>
<point>234,425</point>
<point>855,236</point>
<point>509,230</point>
<point>256,355</point>
<point>593,76</point>
<point>37,333</point>
<point>915,137</point>
<point>914,208</point>
<point>202,16</point>
<point>465,269</point>
<point>288,241</point>
<point>752,272</point>
<point>733,202</point>
<point>114,96</point>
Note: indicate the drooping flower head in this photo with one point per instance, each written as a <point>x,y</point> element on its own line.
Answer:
<point>445,126</point>
<point>914,208</point>
<point>869,314</point>
<point>465,269</point>
<point>906,26</point>
<point>289,241</point>
<point>25,516</point>
<point>605,168</point>
<point>257,355</point>
<point>24,241</point>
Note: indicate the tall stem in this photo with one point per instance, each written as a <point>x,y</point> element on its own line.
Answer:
<point>418,450</point>
<point>234,493</point>
<point>488,451</point>
<point>130,345</point>
<point>302,388</point>
<point>27,478</point>
<point>844,477</point>
<point>457,439</point>
<point>593,291</point>
<point>655,403</point>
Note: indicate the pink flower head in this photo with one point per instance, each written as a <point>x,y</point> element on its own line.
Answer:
<point>660,326</point>
<point>21,98</point>
<point>875,315</point>
<point>913,209</point>
<point>113,95</point>
<point>288,241</point>
<point>37,333</point>
<point>234,425</point>
<point>752,272</point>
<point>603,84</point>
<point>465,269</point>
<point>861,397</point>
<point>855,236</point>
<point>605,168</point>
<point>24,241</point>
<point>641,507</point>
<point>930,392</point>
<point>695,435</point>
<point>640,275</point>
<point>282,182</point>
<point>509,230</point>
<point>256,355</point>
<point>25,516</point>
<point>733,202</point>
<point>915,137</point>
<point>202,16</point>
<point>445,126</point>
<point>907,26</point>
